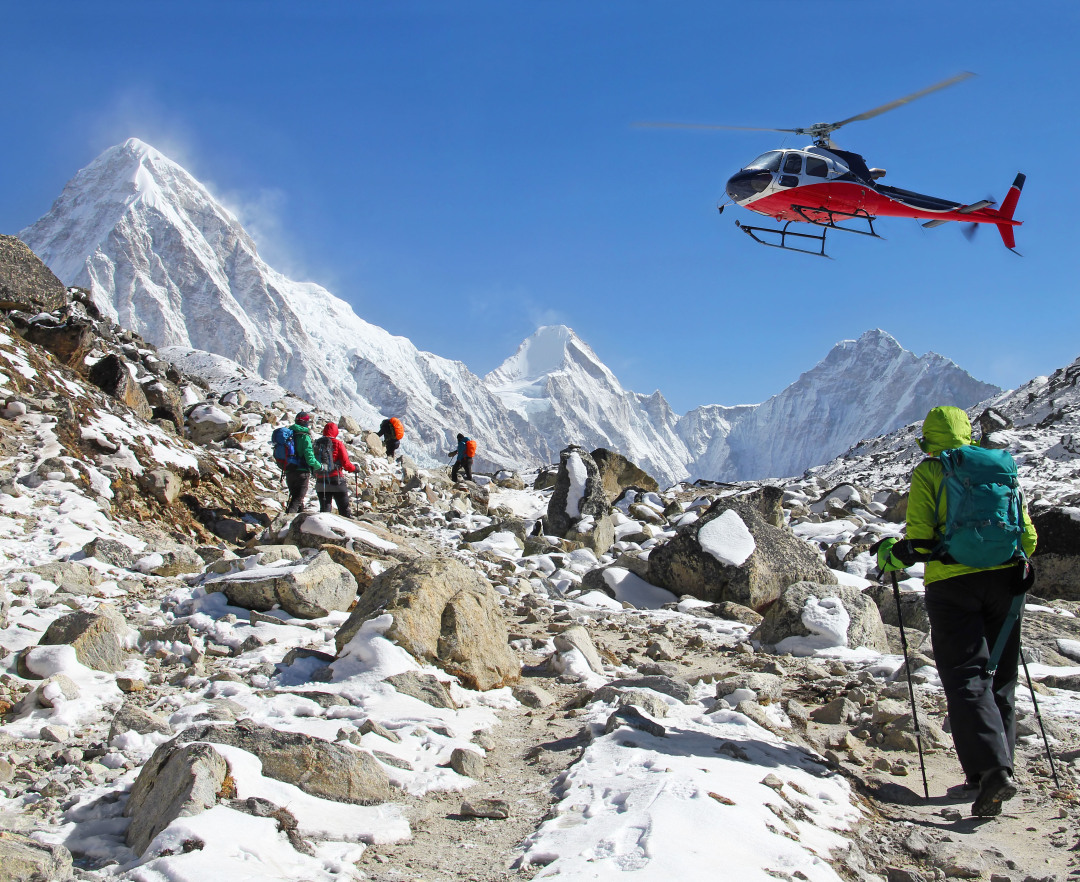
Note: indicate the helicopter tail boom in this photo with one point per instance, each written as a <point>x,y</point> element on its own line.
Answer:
<point>1006,212</point>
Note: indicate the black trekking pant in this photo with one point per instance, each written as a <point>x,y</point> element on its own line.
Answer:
<point>966,613</point>
<point>298,483</point>
<point>334,490</point>
<point>464,463</point>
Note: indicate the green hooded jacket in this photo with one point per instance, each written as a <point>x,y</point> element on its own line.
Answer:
<point>305,451</point>
<point>943,429</point>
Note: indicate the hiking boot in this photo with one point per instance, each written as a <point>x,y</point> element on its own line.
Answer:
<point>996,786</point>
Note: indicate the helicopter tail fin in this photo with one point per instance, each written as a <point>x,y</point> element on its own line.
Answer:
<point>1006,212</point>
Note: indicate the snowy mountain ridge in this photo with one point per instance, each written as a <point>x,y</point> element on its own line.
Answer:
<point>165,259</point>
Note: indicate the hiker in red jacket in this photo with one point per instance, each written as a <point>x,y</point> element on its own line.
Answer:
<point>330,485</point>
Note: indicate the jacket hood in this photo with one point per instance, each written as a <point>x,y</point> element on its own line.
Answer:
<point>945,428</point>
<point>330,430</point>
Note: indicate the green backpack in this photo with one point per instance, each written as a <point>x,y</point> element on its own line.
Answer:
<point>983,507</point>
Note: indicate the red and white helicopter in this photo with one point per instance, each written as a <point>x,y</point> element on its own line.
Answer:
<point>825,186</point>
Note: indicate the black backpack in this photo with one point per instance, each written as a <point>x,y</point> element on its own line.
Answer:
<point>324,452</point>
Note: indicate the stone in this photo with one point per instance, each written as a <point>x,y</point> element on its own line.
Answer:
<point>70,576</point>
<point>912,607</point>
<point>444,613</point>
<point>678,689</point>
<point>377,728</point>
<point>784,618</point>
<point>423,687</point>
<point>578,477</point>
<point>1058,554</point>
<point>764,688</point>
<point>130,684</point>
<point>318,767</point>
<point>357,564</point>
<point>176,782</point>
<point>735,612</point>
<point>166,402</point>
<point>26,283</point>
<point>207,423</point>
<point>57,689</point>
<point>111,375</point>
<point>178,561</point>
<point>531,695</point>
<point>349,425</point>
<point>308,589</point>
<point>23,859</point>
<point>70,340</point>
<point>163,484</point>
<point>628,715</point>
<point>618,474</point>
<point>496,809</point>
<point>839,710</point>
<point>577,637</point>
<point>643,699</point>
<point>55,734</point>
<point>317,530</point>
<point>779,559</point>
<point>468,763</point>
<point>95,637</point>
<point>132,718</point>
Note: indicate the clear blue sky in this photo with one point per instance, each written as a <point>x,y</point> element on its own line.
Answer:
<point>463,172</point>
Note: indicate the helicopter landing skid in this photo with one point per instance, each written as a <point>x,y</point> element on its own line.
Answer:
<point>834,219</point>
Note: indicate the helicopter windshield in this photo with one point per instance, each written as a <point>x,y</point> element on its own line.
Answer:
<point>767,161</point>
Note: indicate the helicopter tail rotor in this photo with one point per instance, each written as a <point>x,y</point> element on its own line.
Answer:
<point>1006,211</point>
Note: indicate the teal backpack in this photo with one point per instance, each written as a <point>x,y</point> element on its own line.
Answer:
<point>983,507</point>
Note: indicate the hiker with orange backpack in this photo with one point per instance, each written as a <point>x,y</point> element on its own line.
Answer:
<point>466,450</point>
<point>330,484</point>
<point>391,431</point>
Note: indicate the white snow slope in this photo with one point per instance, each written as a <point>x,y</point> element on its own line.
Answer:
<point>164,258</point>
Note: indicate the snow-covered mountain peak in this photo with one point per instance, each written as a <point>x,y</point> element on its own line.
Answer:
<point>550,349</point>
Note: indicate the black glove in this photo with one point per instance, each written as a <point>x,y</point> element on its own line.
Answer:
<point>908,552</point>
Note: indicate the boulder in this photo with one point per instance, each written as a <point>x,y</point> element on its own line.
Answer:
<point>445,613</point>
<point>423,687</point>
<point>597,534</point>
<point>132,718</point>
<point>374,444</point>
<point>618,474</point>
<point>25,282</point>
<point>165,401</point>
<point>579,492</point>
<point>69,576</point>
<point>110,552</point>
<point>162,484</point>
<point>1057,556</point>
<point>320,768</point>
<point>348,425</point>
<point>710,569</point>
<point>207,423</point>
<point>112,376</point>
<point>785,617</point>
<point>176,782</point>
<point>70,340</point>
<point>23,859</point>
<point>309,589</point>
<point>912,607</point>
<point>177,561</point>
<point>576,637</point>
<point>317,530</point>
<point>95,637</point>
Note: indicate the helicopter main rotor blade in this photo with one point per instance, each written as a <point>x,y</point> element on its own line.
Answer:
<point>677,125</point>
<point>899,102</point>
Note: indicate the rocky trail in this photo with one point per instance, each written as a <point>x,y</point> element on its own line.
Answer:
<point>574,674</point>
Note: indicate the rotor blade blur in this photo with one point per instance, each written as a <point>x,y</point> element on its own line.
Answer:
<point>677,125</point>
<point>892,105</point>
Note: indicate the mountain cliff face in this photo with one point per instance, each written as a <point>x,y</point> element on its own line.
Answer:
<point>162,257</point>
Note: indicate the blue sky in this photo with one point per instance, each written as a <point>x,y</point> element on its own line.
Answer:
<point>463,172</point>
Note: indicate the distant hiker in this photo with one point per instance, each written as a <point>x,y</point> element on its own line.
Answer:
<point>466,450</point>
<point>976,576</point>
<point>392,432</point>
<point>300,464</point>
<point>330,484</point>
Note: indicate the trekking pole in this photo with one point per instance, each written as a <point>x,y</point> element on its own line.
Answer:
<point>910,685</point>
<point>1038,716</point>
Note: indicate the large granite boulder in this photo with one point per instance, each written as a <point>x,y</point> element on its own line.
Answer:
<point>321,768</point>
<point>95,636</point>
<point>912,607</point>
<point>307,589</point>
<point>25,282</point>
<point>618,474</point>
<point>1057,556</point>
<point>176,782</point>
<point>579,492</point>
<point>111,375</point>
<point>445,613</point>
<point>208,423</point>
<point>788,616</point>
<point>23,859</point>
<point>315,530</point>
<point>706,558</point>
<point>69,340</point>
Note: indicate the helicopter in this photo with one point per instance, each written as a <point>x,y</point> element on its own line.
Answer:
<point>834,189</point>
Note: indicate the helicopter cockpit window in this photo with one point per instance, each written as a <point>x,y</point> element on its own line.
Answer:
<point>817,167</point>
<point>793,163</point>
<point>768,161</point>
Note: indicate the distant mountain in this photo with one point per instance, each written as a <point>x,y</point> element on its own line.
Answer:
<point>164,258</point>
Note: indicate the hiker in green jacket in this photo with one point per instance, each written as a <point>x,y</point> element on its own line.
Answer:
<point>301,464</point>
<point>968,607</point>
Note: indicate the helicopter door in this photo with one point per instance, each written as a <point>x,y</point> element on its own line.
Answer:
<point>790,170</point>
